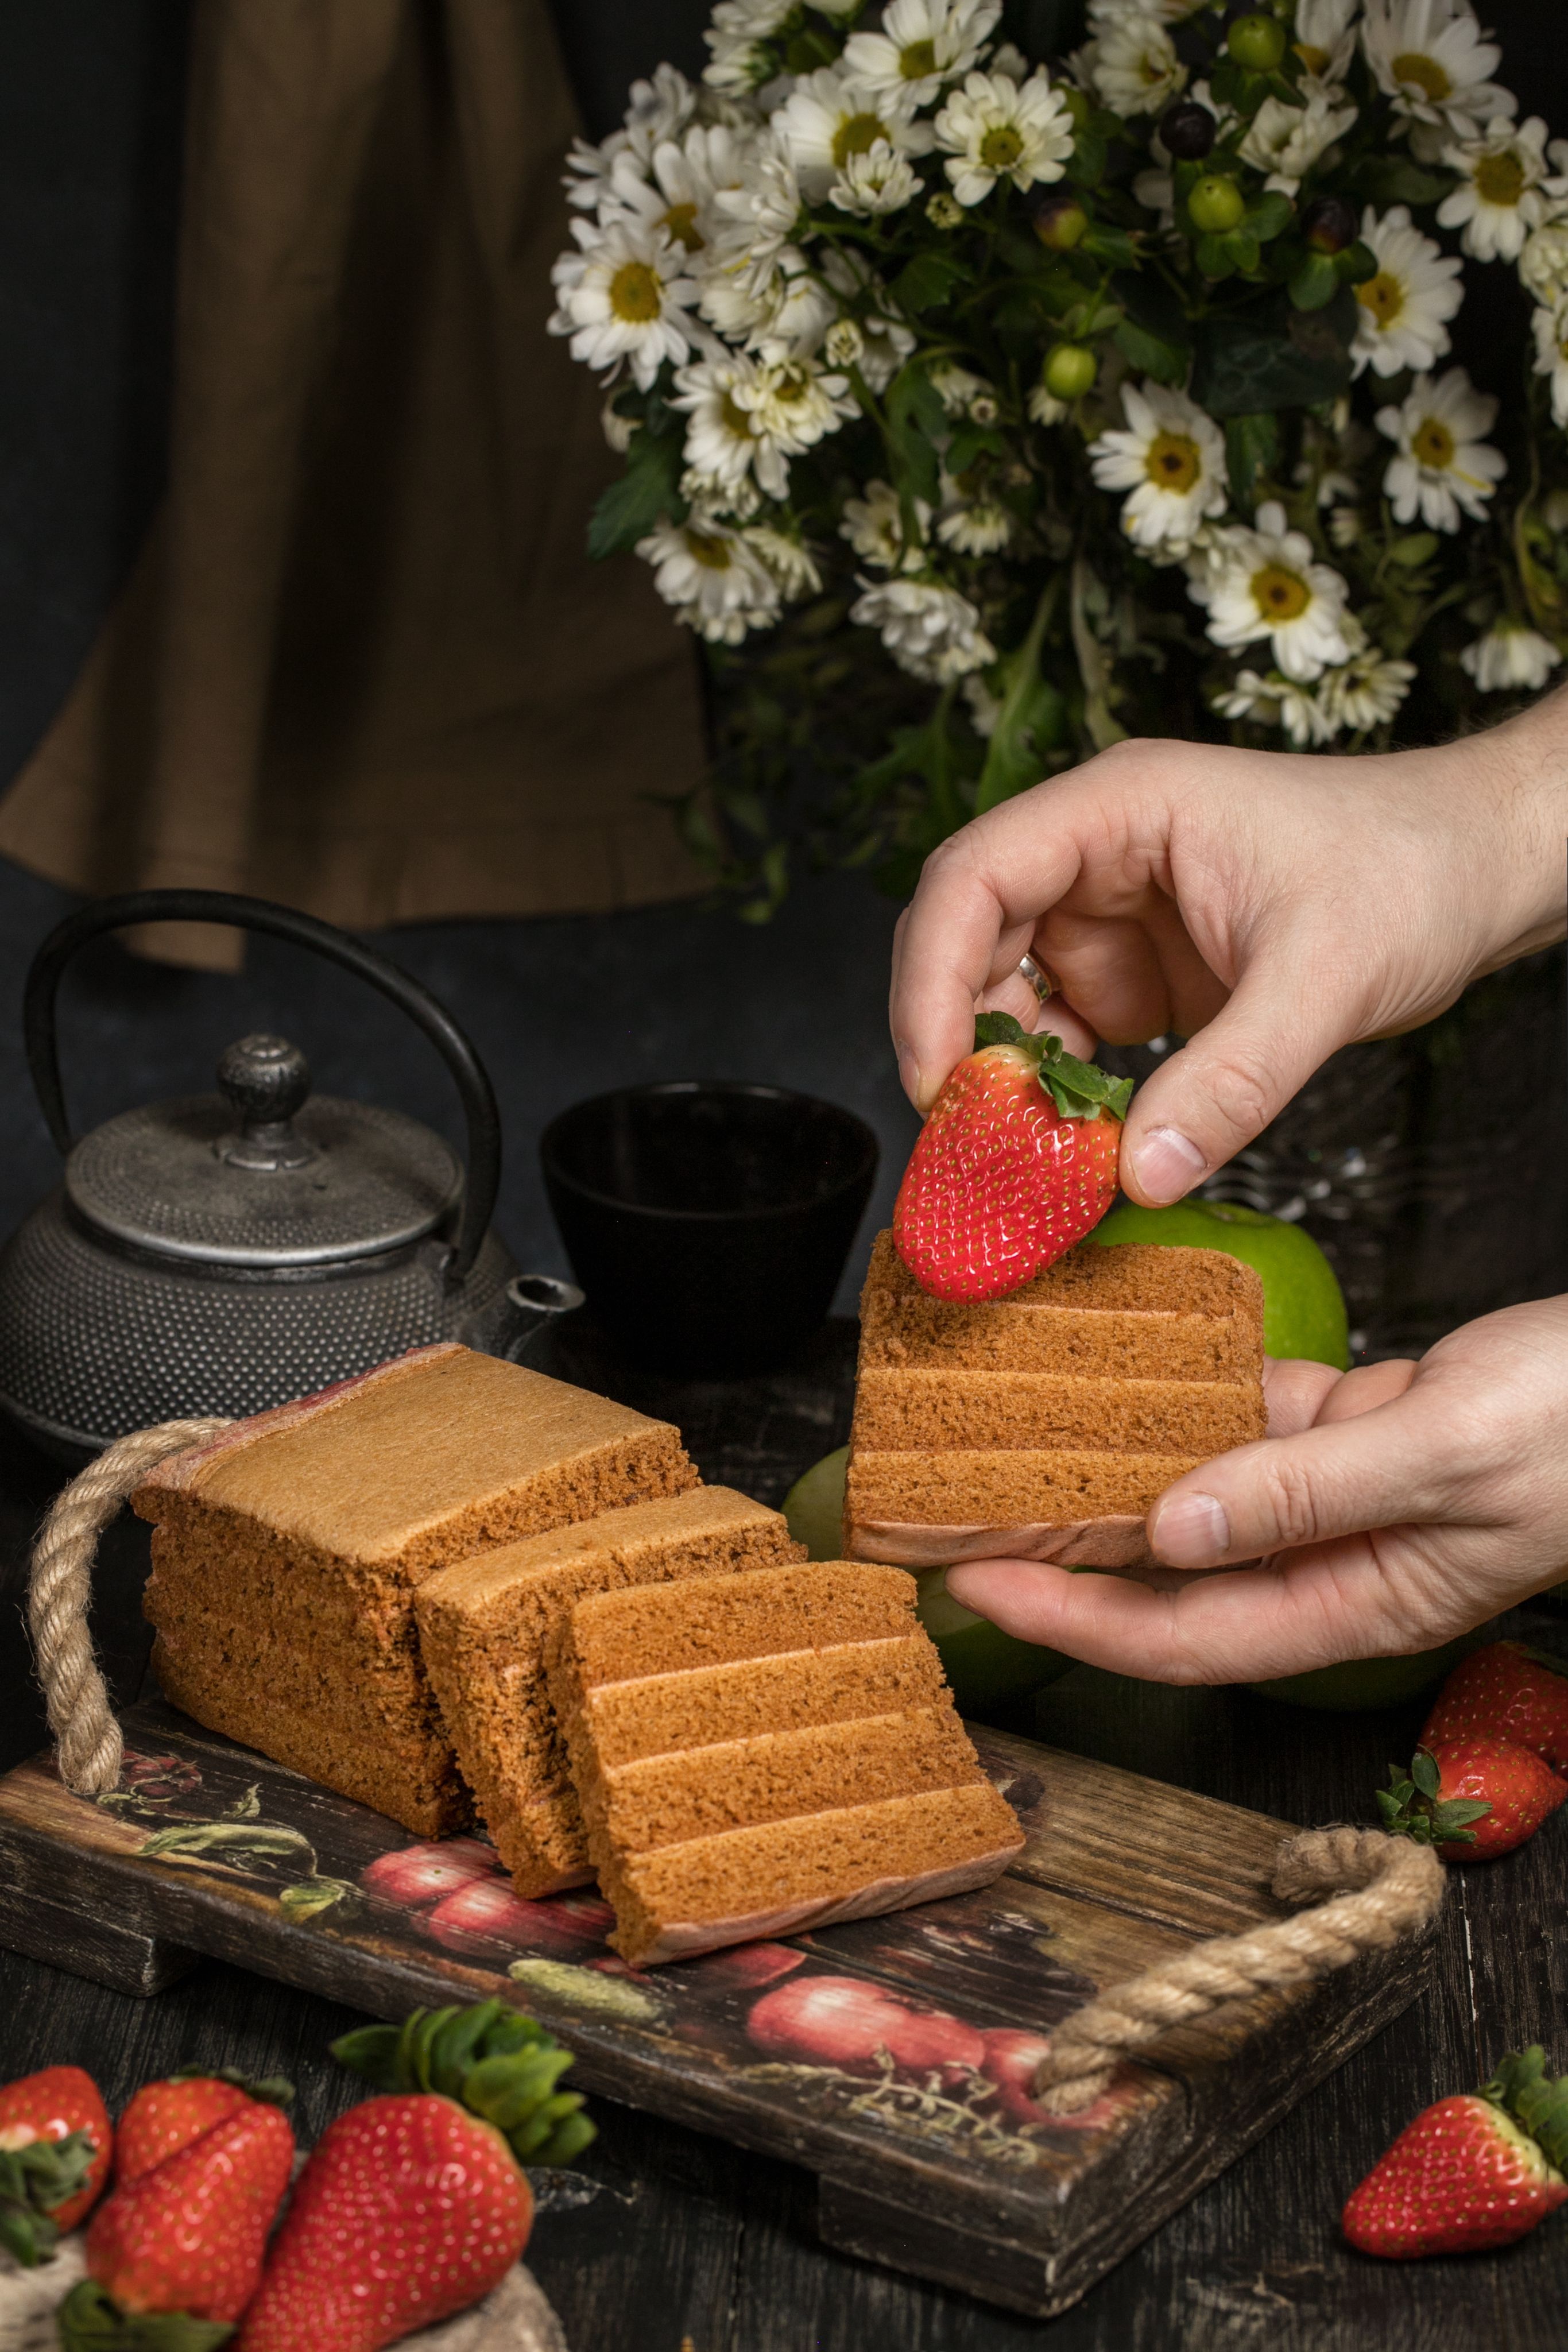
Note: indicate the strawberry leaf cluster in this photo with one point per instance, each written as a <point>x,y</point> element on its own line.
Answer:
<point>35,2180</point>
<point>491,2059</point>
<point>1411,1806</point>
<point>1079,1089</point>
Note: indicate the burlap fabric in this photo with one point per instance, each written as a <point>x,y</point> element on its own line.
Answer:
<point>363,663</point>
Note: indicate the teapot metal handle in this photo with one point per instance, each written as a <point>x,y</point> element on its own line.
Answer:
<point>469,1075</point>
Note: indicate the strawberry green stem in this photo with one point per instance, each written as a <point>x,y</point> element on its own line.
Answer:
<point>492,2060</point>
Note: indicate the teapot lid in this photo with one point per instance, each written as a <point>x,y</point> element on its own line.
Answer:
<point>262,1175</point>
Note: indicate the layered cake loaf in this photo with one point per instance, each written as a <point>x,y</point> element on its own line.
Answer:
<point>287,1551</point>
<point>483,1626</point>
<point>1043,1425</point>
<point>754,1755</point>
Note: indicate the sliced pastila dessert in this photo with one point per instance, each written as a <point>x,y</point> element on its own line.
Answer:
<point>287,1551</point>
<point>1042,1425</point>
<point>483,1626</point>
<point>754,1755</point>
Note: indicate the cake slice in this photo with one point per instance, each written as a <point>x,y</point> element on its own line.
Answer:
<point>1044,1425</point>
<point>756,1755</point>
<point>482,1629</point>
<point>288,1551</point>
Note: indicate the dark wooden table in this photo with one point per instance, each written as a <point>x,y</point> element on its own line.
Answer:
<point>667,2240</point>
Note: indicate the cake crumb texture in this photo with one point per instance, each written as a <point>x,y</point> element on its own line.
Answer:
<point>753,1753</point>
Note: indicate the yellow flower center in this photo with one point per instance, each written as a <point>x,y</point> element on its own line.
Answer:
<point>681,220</point>
<point>916,60</point>
<point>1432,443</point>
<point>1280,595</point>
<point>790,386</point>
<point>1383,296</point>
<point>712,553</point>
<point>1499,179</point>
<point>734,418</point>
<point>1172,461</point>
<point>1001,147</point>
<point>1426,74</point>
<point>1312,56</point>
<point>634,293</point>
<point>857,135</point>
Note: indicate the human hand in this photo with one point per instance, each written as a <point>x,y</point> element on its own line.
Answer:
<point>1389,1509</point>
<point>1271,907</point>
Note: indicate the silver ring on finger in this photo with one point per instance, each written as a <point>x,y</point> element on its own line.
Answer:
<point>1040,978</point>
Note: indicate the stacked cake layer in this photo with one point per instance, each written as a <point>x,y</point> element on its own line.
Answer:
<point>287,1553</point>
<point>1043,1425</point>
<point>483,1628</point>
<point>757,1753</point>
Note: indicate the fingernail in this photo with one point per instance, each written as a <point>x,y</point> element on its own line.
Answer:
<point>1189,1530</point>
<point>909,1075</point>
<point>1167,1164</point>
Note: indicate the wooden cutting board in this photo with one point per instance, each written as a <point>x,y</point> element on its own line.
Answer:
<point>207,1848</point>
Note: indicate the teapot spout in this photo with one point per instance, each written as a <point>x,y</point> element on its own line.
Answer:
<point>530,1307</point>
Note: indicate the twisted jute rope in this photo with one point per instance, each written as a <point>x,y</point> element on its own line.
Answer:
<point>1383,1889</point>
<point>87,1738</point>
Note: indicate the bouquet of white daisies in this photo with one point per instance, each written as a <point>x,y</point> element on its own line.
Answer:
<point>992,405</point>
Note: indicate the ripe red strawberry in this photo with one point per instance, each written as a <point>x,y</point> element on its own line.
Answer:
<point>55,2143</point>
<point>167,2115</point>
<point>187,2237</point>
<point>1474,2171</point>
<point>1504,1692</point>
<point>407,2210</point>
<point>1017,1161</point>
<point>1475,1799</point>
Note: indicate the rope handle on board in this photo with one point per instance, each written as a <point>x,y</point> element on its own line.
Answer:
<point>88,1743</point>
<point>1381,1889</point>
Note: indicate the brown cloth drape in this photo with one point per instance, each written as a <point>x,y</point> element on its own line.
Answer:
<point>363,663</point>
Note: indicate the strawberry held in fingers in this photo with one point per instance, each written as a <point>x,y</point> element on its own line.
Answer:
<point>1474,2171</point>
<point>182,2244</point>
<point>55,2143</point>
<point>1475,1799</point>
<point>1016,1162</point>
<point>1504,1692</point>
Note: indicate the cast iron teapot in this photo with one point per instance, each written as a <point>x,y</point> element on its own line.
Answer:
<point>219,1254</point>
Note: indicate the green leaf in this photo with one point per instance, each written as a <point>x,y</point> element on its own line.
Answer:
<point>1317,281</point>
<point>1215,258</point>
<point>996,1029</point>
<point>1030,720</point>
<point>1269,355</point>
<point>371,2051</point>
<point>1386,180</point>
<point>1273,214</point>
<point>1412,552</point>
<point>1356,264</point>
<point>972,441</point>
<point>917,421</point>
<point>1086,165</point>
<point>925,283</point>
<point>1108,244</point>
<point>1424,1771</point>
<point>1081,1089</point>
<point>647,492</point>
<point>89,2320</point>
<point>1251,448</point>
<point>1166,363</point>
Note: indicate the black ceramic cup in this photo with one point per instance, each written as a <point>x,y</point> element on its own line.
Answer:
<point>708,1222</point>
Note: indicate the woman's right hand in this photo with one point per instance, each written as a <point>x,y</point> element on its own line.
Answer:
<point>1270,906</point>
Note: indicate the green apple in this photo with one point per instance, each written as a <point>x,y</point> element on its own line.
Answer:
<point>1362,1683</point>
<point>1304,1307</point>
<point>986,1668</point>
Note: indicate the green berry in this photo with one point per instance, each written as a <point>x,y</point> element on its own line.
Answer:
<point>1257,42</point>
<point>1216,205</point>
<point>1070,372</point>
<point>1059,222</point>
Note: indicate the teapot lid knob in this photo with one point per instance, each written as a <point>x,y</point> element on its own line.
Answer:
<point>264,1080</point>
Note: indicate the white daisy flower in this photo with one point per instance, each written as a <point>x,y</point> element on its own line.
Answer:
<point>1285,141</point>
<point>985,707</point>
<point>676,189</point>
<point>887,341</point>
<point>786,319</point>
<point>724,441</point>
<point>1432,60</point>
<point>659,109</point>
<point>1543,263</point>
<point>793,404</point>
<point>618,429</point>
<point>997,129</point>
<point>932,632</point>
<point>1551,355</point>
<point>1133,64</point>
<point>955,387</point>
<point>843,343</point>
<point>1326,41</point>
<point>718,585</point>
<point>736,60</point>
<point>731,501</point>
<point>1273,701</point>
<point>792,565</point>
<point>1510,658</point>
<point>921,45</point>
<point>1443,467</point>
<point>1043,406</point>
<point>751,223</point>
<point>1402,313</point>
<point>827,118</point>
<point>1266,583</point>
<point>622,298</point>
<point>1366,692</point>
<point>880,180</point>
<point>875,527</point>
<point>1171,459</point>
<point>972,526</point>
<point>1499,198</point>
